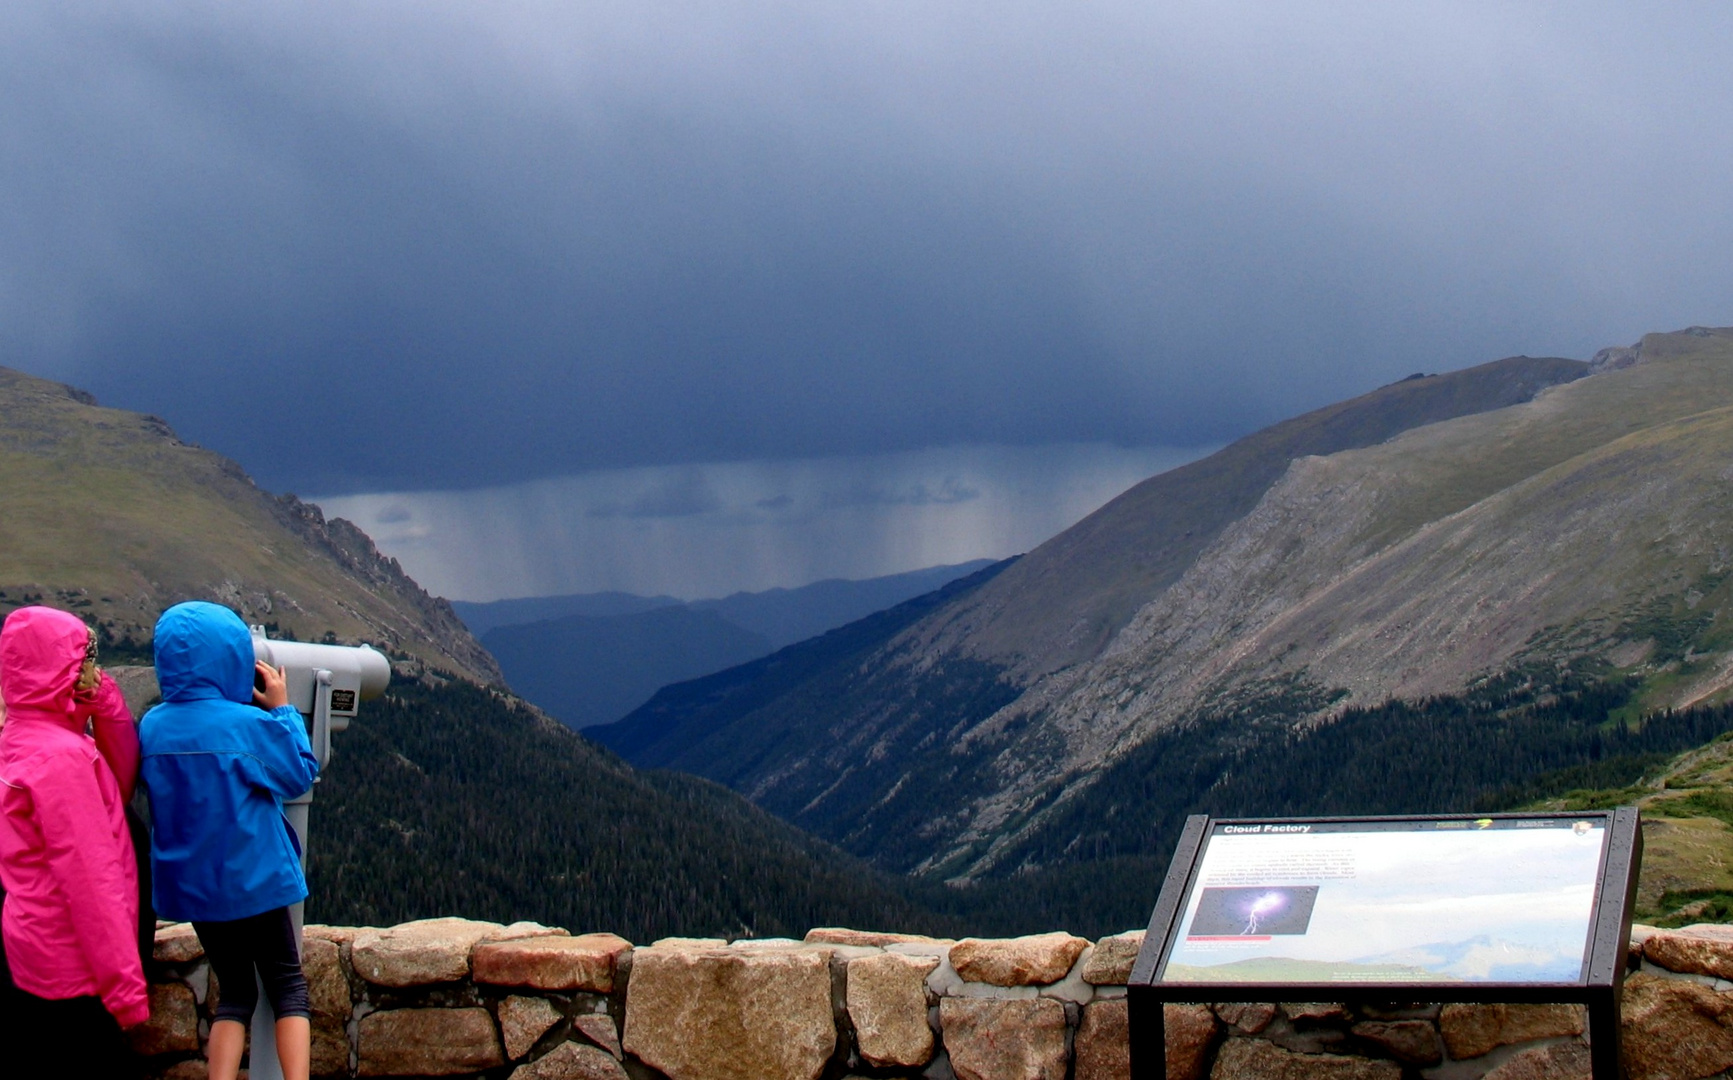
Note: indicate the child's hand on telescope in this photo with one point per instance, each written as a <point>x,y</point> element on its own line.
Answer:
<point>270,688</point>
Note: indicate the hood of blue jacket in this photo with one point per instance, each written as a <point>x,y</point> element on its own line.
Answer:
<point>203,651</point>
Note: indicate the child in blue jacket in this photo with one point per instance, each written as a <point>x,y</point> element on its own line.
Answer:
<point>219,758</point>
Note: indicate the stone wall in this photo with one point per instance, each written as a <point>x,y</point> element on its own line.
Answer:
<point>451,997</point>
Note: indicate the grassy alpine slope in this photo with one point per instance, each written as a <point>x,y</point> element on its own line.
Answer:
<point>108,514</point>
<point>1687,805</point>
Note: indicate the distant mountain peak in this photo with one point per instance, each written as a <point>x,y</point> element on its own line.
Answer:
<point>591,658</point>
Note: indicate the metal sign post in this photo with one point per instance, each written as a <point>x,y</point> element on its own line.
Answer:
<point>1289,910</point>
<point>326,685</point>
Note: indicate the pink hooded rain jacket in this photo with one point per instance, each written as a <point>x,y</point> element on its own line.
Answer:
<point>71,913</point>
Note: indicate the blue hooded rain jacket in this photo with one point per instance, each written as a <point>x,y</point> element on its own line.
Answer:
<point>217,769</point>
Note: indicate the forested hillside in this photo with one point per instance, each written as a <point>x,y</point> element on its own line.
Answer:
<point>1516,740</point>
<point>445,798</point>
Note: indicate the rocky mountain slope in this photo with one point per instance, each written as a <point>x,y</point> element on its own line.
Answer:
<point>892,692</point>
<point>1567,526</point>
<point>1063,603</point>
<point>107,513</point>
<point>1438,535</point>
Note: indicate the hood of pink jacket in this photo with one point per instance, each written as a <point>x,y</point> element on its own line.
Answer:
<point>41,650</point>
<point>70,920</point>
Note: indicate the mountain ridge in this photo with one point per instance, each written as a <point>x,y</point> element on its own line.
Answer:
<point>681,714</point>
<point>1310,585</point>
<point>1141,553</point>
<point>111,514</point>
<point>1336,581</point>
<point>587,670</point>
<point>112,517</point>
<point>784,615</point>
<point>590,659</point>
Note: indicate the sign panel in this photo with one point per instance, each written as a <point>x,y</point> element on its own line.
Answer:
<point>1506,900</point>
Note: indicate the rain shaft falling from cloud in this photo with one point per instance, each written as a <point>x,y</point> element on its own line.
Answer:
<point>697,531</point>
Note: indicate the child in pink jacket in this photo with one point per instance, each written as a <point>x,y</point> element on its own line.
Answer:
<point>70,919</point>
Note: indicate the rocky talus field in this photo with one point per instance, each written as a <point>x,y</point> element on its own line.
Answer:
<point>454,997</point>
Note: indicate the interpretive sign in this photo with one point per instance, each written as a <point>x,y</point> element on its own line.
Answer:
<point>1503,907</point>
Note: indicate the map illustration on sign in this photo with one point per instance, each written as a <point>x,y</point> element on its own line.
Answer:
<point>1507,900</point>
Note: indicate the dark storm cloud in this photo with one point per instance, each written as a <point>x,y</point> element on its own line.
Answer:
<point>946,492</point>
<point>686,494</point>
<point>421,245</point>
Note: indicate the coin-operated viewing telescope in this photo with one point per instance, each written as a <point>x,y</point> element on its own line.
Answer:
<point>327,684</point>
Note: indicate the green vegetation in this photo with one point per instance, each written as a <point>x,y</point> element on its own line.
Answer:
<point>1092,864</point>
<point>1687,805</point>
<point>449,799</point>
<point>1513,741</point>
<point>1714,802</point>
<point>1687,906</point>
<point>111,516</point>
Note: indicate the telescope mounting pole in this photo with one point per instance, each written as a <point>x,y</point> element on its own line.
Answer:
<point>262,1063</point>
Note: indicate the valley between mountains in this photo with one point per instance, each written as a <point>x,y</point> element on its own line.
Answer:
<point>1493,557</point>
<point>1497,587</point>
<point>448,795</point>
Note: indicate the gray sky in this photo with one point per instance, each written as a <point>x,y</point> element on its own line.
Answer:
<point>397,247</point>
<point>705,530</point>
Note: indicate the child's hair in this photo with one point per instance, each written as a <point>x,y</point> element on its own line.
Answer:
<point>89,674</point>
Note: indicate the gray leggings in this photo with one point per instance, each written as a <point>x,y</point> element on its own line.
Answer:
<point>264,943</point>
